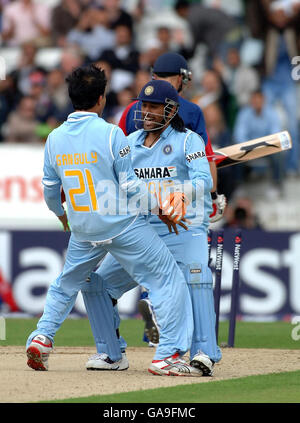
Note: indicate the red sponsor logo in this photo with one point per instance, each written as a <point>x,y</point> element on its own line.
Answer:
<point>23,189</point>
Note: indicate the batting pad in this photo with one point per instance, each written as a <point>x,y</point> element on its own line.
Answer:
<point>103,319</point>
<point>201,291</point>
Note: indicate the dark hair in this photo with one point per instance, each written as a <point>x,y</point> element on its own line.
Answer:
<point>86,85</point>
<point>178,124</point>
<point>257,92</point>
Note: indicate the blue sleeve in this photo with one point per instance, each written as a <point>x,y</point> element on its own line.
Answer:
<point>52,184</point>
<point>200,127</point>
<point>130,124</point>
<point>193,118</point>
<point>128,181</point>
<point>197,163</point>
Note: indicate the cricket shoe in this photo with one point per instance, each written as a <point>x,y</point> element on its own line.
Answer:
<point>38,353</point>
<point>103,362</point>
<point>173,366</point>
<point>151,326</point>
<point>202,362</point>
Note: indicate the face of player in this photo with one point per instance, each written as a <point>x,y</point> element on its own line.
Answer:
<point>152,115</point>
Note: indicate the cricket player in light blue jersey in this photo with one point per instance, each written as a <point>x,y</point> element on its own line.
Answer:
<point>86,155</point>
<point>170,159</point>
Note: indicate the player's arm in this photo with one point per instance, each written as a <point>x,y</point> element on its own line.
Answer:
<point>128,181</point>
<point>52,188</point>
<point>200,128</point>
<point>213,168</point>
<point>197,163</point>
<point>199,178</point>
<point>126,122</point>
<point>218,200</point>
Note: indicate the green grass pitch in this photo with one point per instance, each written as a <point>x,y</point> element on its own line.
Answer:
<point>275,388</point>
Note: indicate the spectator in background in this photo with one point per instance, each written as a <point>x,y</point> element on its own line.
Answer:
<point>164,36</point>
<point>44,108</point>
<point>141,78</point>
<point>71,58</point>
<point>22,124</point>
<point>124,55</point>
<point>278,84</point>
<point>116,15</point>
<point>25,20</point>
<point>26,66</point>
<point>92,33</point>
<point>65,16</point>
<point>111,95</point>
<point>277,23</point>
<point>155,18</point>
<point>124,97</point>
<point>9,98</point>
<point>213,90</point>
<point>58,94</point>
<point>209,25</point>
<point>254,121</point>
<point>240,214</point>
<point>150,51</point>
<point>123,59</point>
<point>220,137</point>
<point>241,80</point>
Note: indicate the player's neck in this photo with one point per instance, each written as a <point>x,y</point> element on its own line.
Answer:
<point>152,138</point>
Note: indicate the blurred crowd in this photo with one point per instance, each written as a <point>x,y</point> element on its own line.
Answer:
<point>243,55</point>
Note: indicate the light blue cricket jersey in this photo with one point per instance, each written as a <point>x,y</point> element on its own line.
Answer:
<point>87,156</point>
<point>175,158</point>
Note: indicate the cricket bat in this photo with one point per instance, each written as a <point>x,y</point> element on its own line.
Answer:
<point>253,149</point>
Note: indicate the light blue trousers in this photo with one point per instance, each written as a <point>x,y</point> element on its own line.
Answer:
<point>190,251</point>
<point>148,261</point>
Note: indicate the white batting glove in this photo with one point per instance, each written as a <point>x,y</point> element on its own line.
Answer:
<point>219,204</point>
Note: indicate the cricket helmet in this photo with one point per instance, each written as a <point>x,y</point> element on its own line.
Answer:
<point>160,92</point>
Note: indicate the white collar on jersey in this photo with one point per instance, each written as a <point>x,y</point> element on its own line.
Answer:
<point>80,115</point>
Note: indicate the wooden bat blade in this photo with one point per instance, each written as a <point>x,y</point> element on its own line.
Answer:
<point>253,149</point>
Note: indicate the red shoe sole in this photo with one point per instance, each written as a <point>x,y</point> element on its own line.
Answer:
<point>34,359</point>
<point>158,374</point>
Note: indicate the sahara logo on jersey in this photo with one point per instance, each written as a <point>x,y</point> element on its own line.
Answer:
<point>124,151</point>
<point>194,156</point>
<point>156,172</point>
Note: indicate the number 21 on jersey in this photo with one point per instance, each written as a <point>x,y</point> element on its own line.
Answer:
<point>85,181</point>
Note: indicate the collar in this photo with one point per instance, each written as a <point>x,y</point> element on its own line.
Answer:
<point>80,115</point>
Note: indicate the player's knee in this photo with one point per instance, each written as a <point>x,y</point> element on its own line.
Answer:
<point>94,283</point>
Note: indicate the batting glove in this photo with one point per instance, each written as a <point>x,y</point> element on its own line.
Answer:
<point>219,204</point>
<point>175,206</point>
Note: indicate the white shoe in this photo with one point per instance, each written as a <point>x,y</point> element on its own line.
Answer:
<point>151,326</point>
<point>173,366</point>
<point>103,362</point>
<point>38,353</point>
<point>204,363</point>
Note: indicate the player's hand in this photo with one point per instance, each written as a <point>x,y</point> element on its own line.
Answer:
<point>219,204</point>
<point>64,220</point>
<point>172,226</point>
<point>175,206</point>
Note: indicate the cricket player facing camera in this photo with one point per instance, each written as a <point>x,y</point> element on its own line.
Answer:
<point>173,68</point>
<point>83,156</point>
<point>169,158</point>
